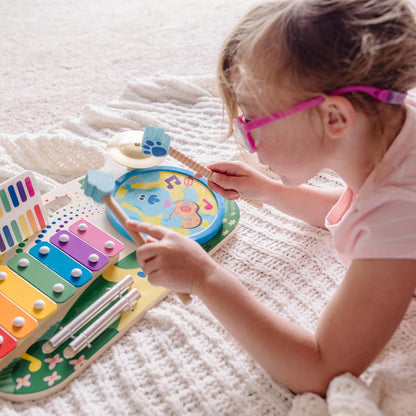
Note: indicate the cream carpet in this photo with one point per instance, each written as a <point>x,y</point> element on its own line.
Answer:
<point>178,360</point>
<point>58,55</point>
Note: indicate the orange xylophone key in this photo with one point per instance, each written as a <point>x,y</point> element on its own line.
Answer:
<point>14,319</point>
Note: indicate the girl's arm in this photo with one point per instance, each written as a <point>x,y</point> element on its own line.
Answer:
<point>359,320</point>
<point>305,202</point>
<point>356,324</point>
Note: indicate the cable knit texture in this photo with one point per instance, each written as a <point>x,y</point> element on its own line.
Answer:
<point>179,360</point>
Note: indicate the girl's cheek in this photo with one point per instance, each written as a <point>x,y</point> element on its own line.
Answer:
<point>267,156</point>
<point>257,137</point>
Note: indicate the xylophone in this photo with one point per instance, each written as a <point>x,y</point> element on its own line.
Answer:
<point>70,284</point>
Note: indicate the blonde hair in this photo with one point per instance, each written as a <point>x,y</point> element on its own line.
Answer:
<point>316,46</point>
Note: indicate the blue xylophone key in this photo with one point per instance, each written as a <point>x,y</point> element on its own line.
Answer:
<point>69,269</point>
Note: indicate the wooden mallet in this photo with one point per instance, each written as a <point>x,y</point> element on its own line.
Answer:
<point>156,143</point>
<point>99,186</point>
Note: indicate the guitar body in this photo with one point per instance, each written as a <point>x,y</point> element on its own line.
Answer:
<point>188,211</point>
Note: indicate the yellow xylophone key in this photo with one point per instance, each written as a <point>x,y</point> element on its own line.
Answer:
<point>25,295</point>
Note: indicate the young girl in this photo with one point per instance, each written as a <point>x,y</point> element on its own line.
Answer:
<point>308,85</point>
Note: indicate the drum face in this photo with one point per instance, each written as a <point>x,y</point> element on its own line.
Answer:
<point>171,197</point>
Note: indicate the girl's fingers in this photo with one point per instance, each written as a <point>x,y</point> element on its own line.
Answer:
<point>227,168</point>
<point>152,230</point>
<point>145,256</point>
<point>223,180</point>
<point>226,193</point>
<point>155,278</point>
<point>150,267</point>
<point>226,183</point>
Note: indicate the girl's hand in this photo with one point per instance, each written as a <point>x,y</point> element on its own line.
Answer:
<point>230,179</point>
<point>172,260</point>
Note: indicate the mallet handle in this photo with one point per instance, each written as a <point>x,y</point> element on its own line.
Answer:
<point>122,217</point>
<point>204,171</point>
<point>187,161</point>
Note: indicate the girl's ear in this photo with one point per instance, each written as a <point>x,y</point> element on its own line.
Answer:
<point>338,116</point>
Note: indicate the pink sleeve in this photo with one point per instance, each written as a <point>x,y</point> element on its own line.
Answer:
<point>389,231</point>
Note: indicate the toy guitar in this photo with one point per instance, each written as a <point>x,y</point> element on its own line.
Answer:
<point>70,284</point>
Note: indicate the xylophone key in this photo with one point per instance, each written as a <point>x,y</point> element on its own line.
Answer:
<point>79,250</point>
<point>7,343</point>
<point>98,238</point>
<point>43,278</point>
<point>14,319</point>
<point>25,295</point>
<point>62,264</point>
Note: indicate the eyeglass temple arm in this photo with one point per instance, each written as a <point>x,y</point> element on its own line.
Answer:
<point>383,95</point>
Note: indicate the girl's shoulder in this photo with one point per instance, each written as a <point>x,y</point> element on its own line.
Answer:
<point>397,170</point>
<point>380,220</point>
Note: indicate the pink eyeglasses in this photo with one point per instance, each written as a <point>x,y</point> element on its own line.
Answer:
<point>242,128</point>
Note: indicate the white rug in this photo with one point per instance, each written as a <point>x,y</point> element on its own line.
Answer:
<point>179,360</point>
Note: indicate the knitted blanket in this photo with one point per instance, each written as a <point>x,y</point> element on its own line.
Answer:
<point>179,360</point>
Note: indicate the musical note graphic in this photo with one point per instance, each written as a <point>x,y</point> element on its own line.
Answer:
<point>208,205</point>
<point>35,364</point>
<point>171,179</point>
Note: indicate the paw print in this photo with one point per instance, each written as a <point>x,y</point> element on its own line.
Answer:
<point>154,149</point>
<point>155,142</point>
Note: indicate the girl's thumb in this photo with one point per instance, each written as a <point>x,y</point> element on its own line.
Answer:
<point>221,180</point>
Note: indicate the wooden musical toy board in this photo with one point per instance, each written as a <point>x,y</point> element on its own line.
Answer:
<point>70,284</point>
